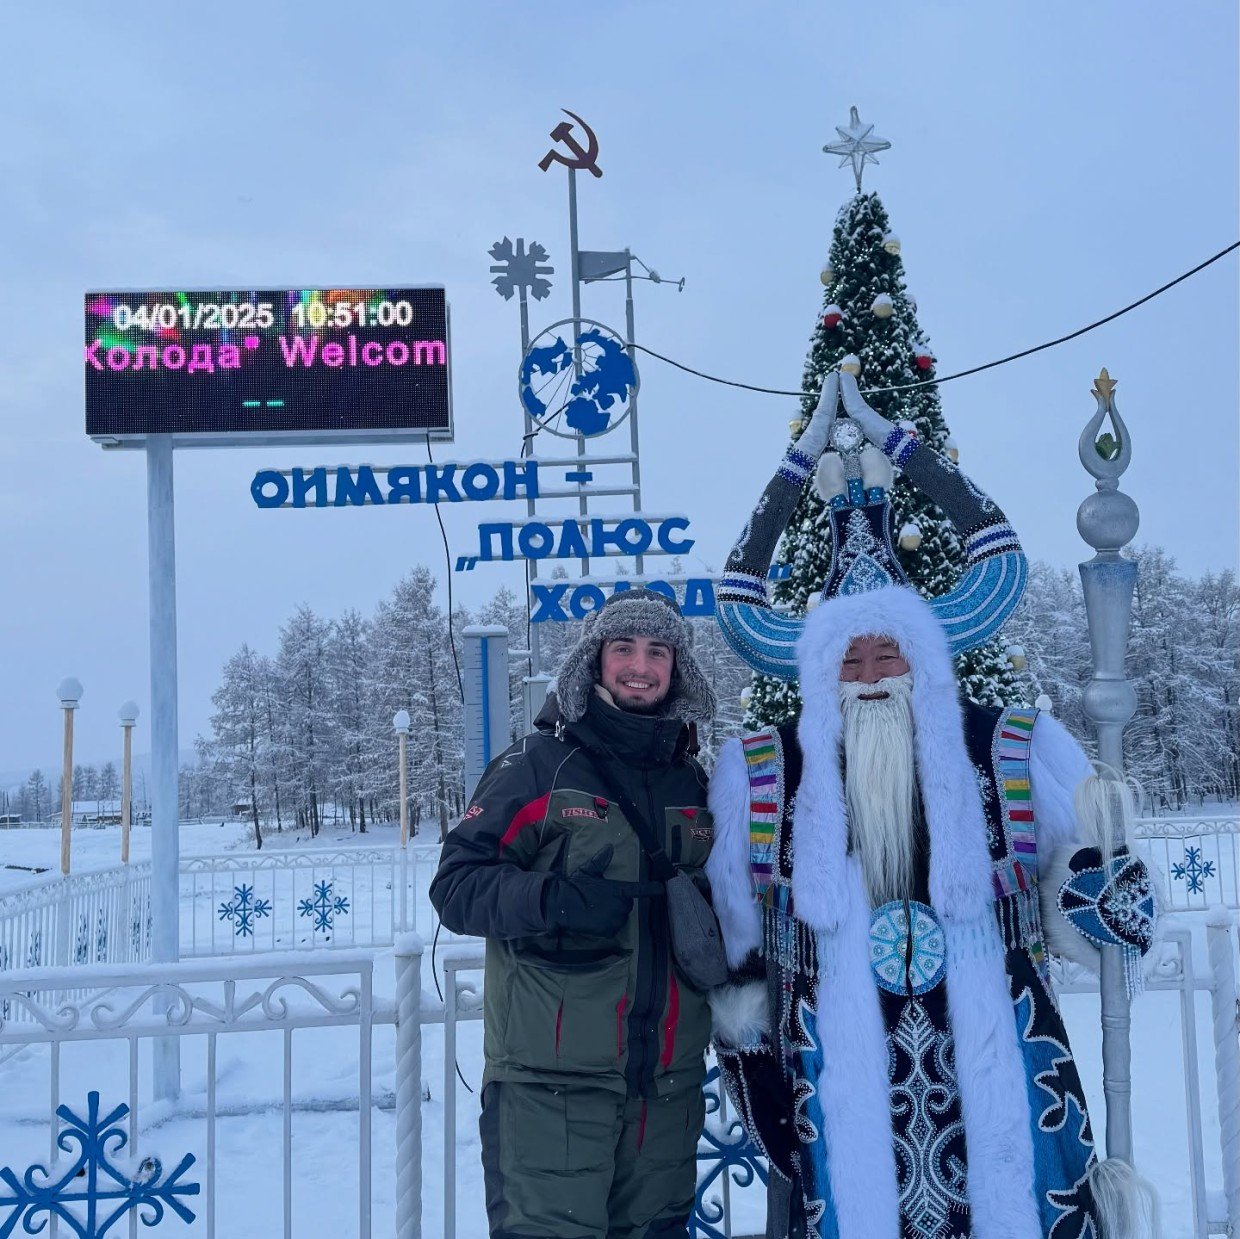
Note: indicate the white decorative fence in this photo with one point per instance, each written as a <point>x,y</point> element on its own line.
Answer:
<point>233,903</point>
<point>1198,859</point>
<point>109,1148</point>
<point>115,1158</point>
<point>254,902</point>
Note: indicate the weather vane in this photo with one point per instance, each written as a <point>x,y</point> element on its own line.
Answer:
<point>857,145</point>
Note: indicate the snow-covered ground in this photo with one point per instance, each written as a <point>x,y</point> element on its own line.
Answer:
<point>249,1076</point>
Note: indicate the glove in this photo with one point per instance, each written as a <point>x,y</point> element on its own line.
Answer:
<point>814,438</point>
<point>587,902</point>
<point>875,426</point>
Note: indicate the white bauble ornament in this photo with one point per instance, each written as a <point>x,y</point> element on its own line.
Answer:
<point>910,537</point>
<point>1045,704</point>
<point>882,306</point>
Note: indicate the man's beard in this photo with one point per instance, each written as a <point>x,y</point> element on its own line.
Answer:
<point>880,784</point>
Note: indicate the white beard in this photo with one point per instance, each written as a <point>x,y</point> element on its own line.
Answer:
<point>880,784</point>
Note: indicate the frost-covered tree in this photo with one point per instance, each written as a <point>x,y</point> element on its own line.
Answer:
<point>359,729</point>
<point>239,731</point>
<point>109,781</point>
<point>416,672</point>
<point>867,312</point>
<point>36,800</point>
<point>308,725</point>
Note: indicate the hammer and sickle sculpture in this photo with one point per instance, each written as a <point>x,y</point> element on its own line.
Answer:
<point>582,157</point>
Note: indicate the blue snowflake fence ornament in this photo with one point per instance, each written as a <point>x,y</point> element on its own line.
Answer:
<point>721,1153</point>
<point>92,1195</point>
<point>243,910</point>
<point>1193,870</point>
<point>81,943</point>
<point>323,907</point>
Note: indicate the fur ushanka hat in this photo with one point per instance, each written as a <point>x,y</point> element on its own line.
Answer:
<point>636,613</point>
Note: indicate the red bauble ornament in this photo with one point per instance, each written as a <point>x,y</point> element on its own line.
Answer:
<point>924,361</point>
<point>832,316</point>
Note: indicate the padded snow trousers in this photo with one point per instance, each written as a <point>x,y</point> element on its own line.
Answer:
<point>581,1162</point>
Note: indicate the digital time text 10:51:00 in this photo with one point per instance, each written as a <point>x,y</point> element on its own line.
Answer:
<point>313,314</point>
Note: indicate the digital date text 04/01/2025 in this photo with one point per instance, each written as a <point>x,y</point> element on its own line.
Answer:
<point>246,315</point>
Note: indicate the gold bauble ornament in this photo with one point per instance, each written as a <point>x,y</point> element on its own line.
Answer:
<point>827,275</point>
<point>891,243</point>
<point>882,306</point>
<point>850,365</point>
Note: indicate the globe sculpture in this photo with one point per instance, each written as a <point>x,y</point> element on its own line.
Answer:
<point>580,386</point>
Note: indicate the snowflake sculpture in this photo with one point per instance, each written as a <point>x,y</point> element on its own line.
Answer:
<point>1193,870</point>
<point>521,267</point>
<point>244,910</point>
<point>323,907</point>
<point>92,1195</point>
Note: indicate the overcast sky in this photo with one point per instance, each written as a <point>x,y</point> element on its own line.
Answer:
<point>1049,164</point>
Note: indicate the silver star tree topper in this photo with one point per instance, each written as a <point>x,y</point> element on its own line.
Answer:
<point>857,145</point>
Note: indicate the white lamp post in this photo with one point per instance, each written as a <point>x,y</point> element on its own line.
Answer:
<point>70,693</point>
<point>128,714</point>
<point>400,725</point>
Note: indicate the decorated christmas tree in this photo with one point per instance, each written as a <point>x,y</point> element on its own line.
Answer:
<point>869,317</point>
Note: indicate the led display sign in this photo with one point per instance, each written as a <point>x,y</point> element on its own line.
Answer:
<point>283,365</point>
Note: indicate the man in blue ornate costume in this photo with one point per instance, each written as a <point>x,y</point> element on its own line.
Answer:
<point>890,1036</point>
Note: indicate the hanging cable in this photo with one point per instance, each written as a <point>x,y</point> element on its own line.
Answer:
<point>990,365</point>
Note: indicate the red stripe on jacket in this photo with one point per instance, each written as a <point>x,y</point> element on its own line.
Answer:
<point>673,1018</point>
<point>535,811</point>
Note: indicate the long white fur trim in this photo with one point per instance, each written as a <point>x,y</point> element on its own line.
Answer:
<point>1057,766</point>
<point>993,1089</point>
<point>739,1014</point>
<point>855,1086</point>
<point>1127,1204</point>
<point>960,882</point>
<point>727,867</point>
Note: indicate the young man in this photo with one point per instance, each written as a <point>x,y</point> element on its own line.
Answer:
<point>891,1039</point>
<point>594,1043</point>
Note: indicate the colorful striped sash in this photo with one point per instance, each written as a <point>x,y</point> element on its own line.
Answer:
<point>765,769</point>
<point>1019,870</point>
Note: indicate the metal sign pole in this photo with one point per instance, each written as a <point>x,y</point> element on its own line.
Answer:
<point>629,330</point>
<point>583,504</point>
<point>165,844</point>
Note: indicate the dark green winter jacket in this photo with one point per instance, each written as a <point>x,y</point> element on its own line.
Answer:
<point>559,1005</point>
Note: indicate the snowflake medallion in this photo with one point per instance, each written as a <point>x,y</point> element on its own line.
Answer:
<point>92,1195</point>
<point>521,267</point>
<point>324,906</point>
<point>1193,870</point>
<point>243,910</point>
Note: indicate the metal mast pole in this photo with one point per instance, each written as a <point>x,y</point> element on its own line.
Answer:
<point>165,845</point>
<point>583,506</point>
<point>1107,521</point>
<point>628,327</point>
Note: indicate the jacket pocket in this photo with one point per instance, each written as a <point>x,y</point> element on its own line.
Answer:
<point>568,1018</point>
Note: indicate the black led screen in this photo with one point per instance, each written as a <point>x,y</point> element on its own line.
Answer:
<point>297,360</point>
